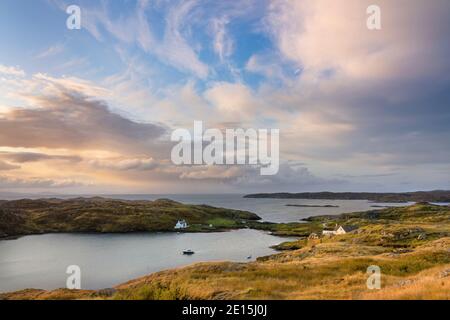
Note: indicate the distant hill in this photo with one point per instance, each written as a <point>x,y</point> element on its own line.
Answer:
<point>419,196</point>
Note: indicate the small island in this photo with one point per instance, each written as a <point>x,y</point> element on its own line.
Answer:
<point>26,217</point>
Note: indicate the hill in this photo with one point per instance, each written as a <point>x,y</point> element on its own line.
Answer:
<point>23,217</point>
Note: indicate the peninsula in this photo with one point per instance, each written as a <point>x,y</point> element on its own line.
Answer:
<point>25,217</point>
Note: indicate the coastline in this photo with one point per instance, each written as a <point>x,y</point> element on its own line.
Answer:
<point>392,197</point>
<point>391,237</point>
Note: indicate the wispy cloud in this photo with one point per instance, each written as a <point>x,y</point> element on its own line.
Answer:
<point>173,48</point>
<point>27,183</point>
<point>11,71</point>
<point>124,164</point>
<point>7,166</point>
<point>223,44</point>
<point>51,51</point>
<point>26,157</point>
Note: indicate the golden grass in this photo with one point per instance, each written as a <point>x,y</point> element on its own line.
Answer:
<point>59,294</point>
<point>431,284</point>
<point>309,273</point>
<point>329,268</point>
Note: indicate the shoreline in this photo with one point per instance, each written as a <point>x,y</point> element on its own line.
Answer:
<point>16,237</point>
<point>390,237</point>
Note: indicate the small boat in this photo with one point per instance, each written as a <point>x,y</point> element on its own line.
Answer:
<point>249,257</point>
<point>188,252</point>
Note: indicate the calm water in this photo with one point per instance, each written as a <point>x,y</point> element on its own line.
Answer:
<point>106,260</point>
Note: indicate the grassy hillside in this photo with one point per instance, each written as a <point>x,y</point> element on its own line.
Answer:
<point>411,245</point>
<point>23,217</point>
<point>325,271</point>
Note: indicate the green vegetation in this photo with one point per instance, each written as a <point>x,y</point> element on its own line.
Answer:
<point>24,217</point>
<point>411,245</point>
<point>396,227</point>
<point>400,227</point>
<point>293,229</point>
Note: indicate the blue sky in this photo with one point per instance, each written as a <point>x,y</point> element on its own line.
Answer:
<point>91,110</point>
<point>36,36</point>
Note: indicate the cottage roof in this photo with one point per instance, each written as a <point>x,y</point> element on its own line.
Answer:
<point>349,228</point>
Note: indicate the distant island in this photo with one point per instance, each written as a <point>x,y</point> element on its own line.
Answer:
<point>312,206</point>
<point>419,196</point>
<point>25,217</point>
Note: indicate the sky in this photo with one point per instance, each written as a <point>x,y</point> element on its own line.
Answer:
<point>91,111</point>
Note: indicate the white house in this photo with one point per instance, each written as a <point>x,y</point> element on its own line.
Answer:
<point>338,230</point>
<point>326,232</point>
<point>345,229</point>
<point>181,224</point>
